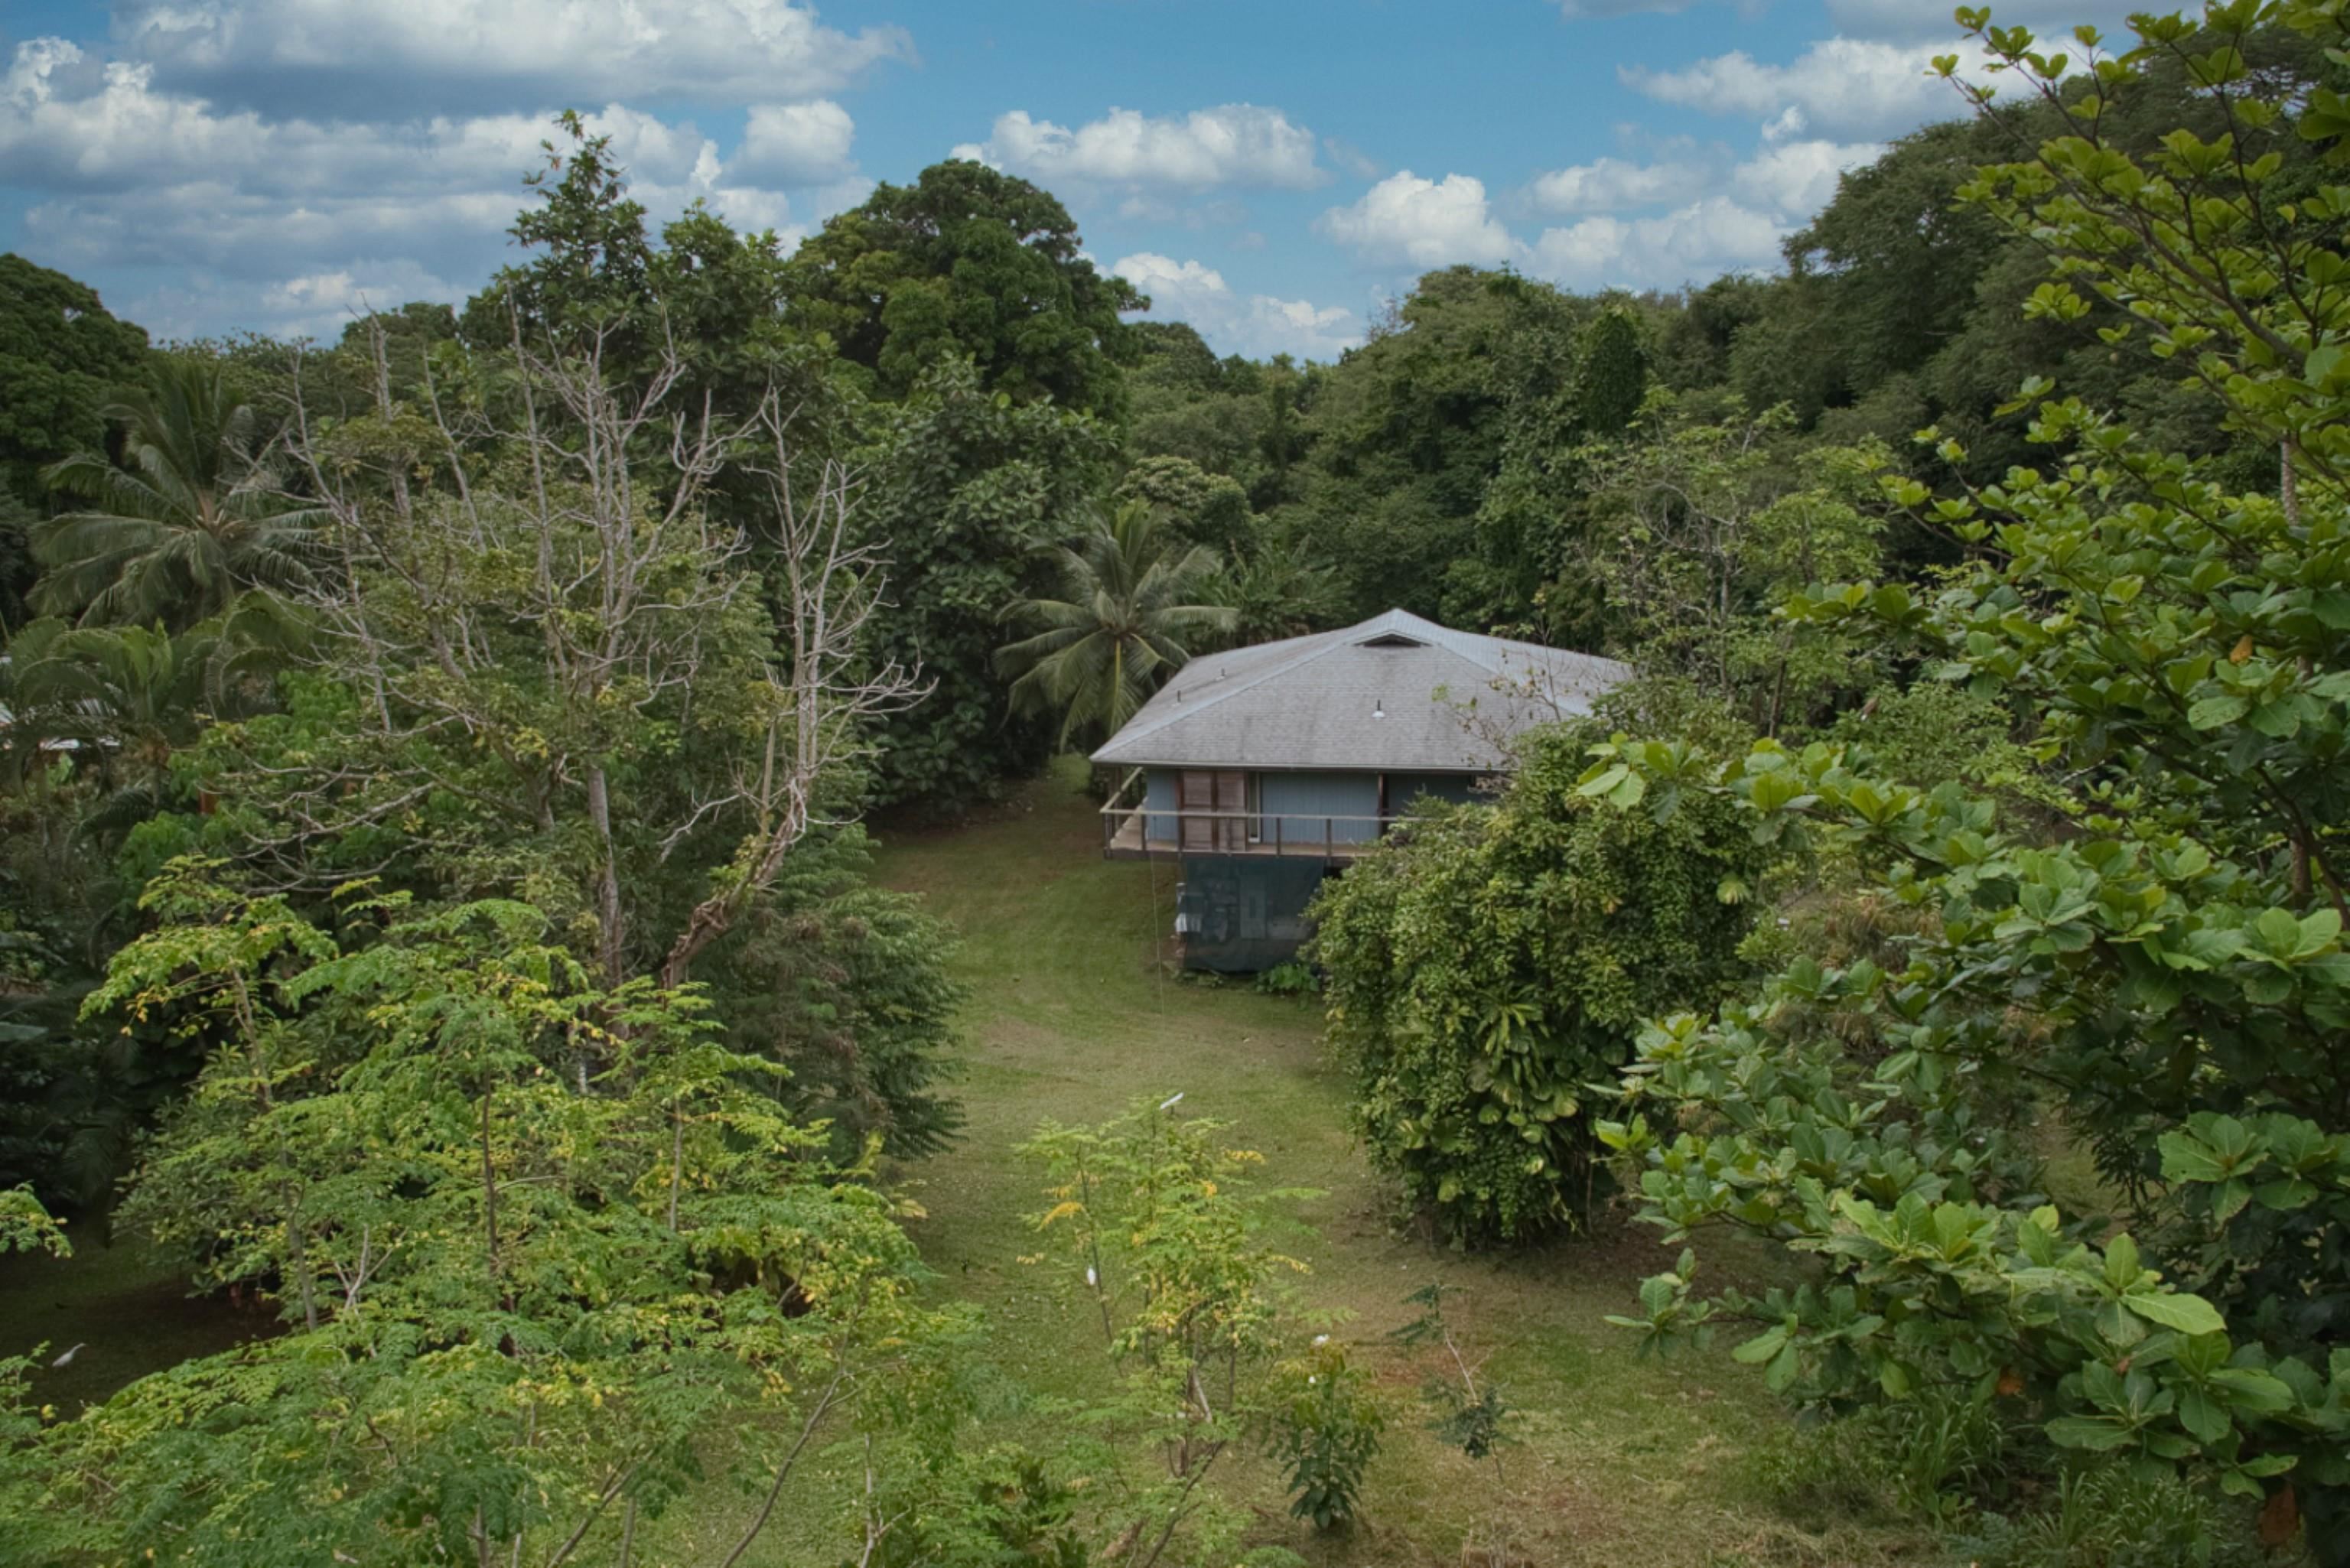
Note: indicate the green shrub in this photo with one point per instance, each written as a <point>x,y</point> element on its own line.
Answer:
<point>1486,970</point>
<point>1930,1458</point>
<point>1290,979</point>
<point>2114,1515</point>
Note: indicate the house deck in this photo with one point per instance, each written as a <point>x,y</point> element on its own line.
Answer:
<point>1205,833</point>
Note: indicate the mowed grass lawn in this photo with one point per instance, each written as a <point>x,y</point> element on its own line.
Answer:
<point>1620,1460</point>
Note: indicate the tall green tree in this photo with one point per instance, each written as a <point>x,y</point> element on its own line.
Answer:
<point>1130,610</point>
<point>63,359</point>
<point>966,263</point>
<point>696,306</point>
<point>192,512</point>
<point>968,491</point>
<point>591,260</point>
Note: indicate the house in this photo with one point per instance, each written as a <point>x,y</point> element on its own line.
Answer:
<point>1263,770</point>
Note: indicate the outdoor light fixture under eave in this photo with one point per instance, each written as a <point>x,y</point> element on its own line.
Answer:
<point>1378,707</point>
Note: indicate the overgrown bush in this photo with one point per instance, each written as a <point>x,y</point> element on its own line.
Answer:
<point>1292,978</point>
<point>1483,972</point>
<point>2109,1514</point>
<point>845,984</point>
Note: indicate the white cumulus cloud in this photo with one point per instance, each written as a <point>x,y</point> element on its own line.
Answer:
<point>1260,324</point>
<point>1613,184</point>
<point>278,223</point>
<point>1234,145</point>
<point>1725,215</point>
<point>1405,219</point>
<point>796,143</point>
<point>395,58</point>
<point>1849,87</point>
<point>1700,241</point>
<point>1796,179</point>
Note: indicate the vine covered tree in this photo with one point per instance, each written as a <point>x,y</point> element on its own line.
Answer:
<point>968,491</point>
<point>63,359</point>
<point>1485,971</point>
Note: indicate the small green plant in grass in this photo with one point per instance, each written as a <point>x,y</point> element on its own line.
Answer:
<point>1463,1415</point>
<point>1163,1232</point>
<point>1468,1418</point>
<point>1932,1458</point>
<point>1323,1426</point>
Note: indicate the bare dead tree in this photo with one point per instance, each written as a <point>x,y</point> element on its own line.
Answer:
<point>527,586</point>
<point>828,698</point>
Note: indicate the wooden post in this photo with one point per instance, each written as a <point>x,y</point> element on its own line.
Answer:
<point>1329,838</point>
<point>1276,838</point>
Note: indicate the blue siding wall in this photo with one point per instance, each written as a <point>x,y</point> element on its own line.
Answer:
<point>1158,795</point>
<point>1306,798</point>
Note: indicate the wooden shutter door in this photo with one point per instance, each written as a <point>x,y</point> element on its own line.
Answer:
<point>1195,790</point>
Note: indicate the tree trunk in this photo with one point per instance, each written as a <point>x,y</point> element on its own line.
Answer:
<point>611,933</point>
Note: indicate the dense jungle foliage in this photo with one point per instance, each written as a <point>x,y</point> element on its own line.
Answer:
<point>434,903</point>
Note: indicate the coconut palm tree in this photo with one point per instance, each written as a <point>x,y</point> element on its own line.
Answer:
<point>190,516</point>
<point>1130,611</point>
<point>127,699</point>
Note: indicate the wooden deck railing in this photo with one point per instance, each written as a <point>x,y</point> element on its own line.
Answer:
<point>1132,828</point>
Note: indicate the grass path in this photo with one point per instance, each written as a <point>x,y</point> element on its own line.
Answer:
<point>1622,1462</point>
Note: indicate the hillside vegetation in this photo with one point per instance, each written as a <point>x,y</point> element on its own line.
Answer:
<point>1871,1093</point>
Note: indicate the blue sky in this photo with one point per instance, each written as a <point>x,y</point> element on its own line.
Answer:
<point>1271,171</point>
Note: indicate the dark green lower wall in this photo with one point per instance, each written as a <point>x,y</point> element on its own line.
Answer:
<point>1240,915</point>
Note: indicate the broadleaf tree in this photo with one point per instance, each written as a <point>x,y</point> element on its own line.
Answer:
<point>516,1313</point>
<point>2164,968</point>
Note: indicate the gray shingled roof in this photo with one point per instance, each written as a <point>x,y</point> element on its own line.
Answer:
<point>1390,694</point>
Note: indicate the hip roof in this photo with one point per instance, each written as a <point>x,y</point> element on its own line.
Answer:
<point>1396,693</point>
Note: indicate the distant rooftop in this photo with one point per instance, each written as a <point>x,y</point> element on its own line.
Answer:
<point>1392,694</point>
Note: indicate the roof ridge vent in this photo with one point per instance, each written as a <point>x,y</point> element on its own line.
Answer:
<point>1394,639</point>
